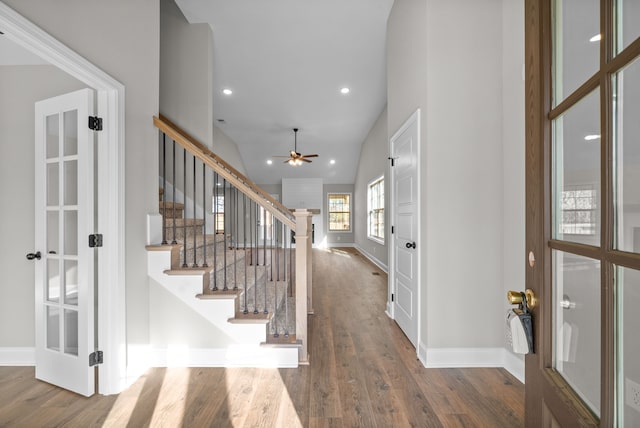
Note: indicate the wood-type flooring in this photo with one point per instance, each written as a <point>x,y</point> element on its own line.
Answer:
<point>363,373</point>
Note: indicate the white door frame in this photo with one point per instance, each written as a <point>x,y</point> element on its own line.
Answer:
<point>415,117</point>
<point>110,152</point>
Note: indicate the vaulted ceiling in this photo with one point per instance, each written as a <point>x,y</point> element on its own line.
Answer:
<point>286,62</point>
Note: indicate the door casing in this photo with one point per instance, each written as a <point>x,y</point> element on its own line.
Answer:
<point>110,105</point>
<point>415,117</point>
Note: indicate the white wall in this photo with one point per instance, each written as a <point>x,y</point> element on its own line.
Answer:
<point>447,59</point>
<point>372,165</point>
<point>121,38</point>
<point>21,87</point>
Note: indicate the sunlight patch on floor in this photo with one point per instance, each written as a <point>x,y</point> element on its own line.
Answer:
<point>169,409</point>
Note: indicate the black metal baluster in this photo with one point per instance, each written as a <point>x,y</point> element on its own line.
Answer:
<point>244,248</point>
<point>164,187</point>
<point>204,214</point>
<point>215,231</point>
<point>235,246</point>
<point>286,293</point>
<point>255,263</point>
<point>173,194</point>
<point>224,199</point>
<point>184,199</point>
<point>195,233</point>
<point>264,256</point>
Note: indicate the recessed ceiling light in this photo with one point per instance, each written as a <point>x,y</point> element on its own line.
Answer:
<point>332,161</point>
<point>227,91</point>
<point>592,137</point>
<point>269,162</point>
<point>345,90</point>
<point>596,38</point>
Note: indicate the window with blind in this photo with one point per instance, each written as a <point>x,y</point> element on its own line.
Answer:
<point>339,212</point>
<point>375,198</point>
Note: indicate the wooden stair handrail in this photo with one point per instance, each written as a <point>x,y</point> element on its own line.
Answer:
<point>229,173</point>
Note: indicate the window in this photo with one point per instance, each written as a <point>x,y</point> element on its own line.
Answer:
<point>579,211</point>
<point>339,212</point>
<point>218,212</point>
<point>375,197</point>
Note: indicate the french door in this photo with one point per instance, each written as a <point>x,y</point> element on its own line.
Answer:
<point>64,288</point>
<point>583,211</point>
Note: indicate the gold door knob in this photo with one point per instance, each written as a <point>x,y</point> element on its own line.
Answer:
<point>515,298</point>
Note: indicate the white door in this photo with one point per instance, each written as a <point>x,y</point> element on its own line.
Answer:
<point>64,288</point>
<point>404,220</point>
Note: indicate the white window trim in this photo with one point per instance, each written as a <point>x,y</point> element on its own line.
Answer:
<point>369,236</point>
<point>350,212</point>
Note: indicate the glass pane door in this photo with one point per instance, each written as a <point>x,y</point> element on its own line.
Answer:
<point>61,285</point>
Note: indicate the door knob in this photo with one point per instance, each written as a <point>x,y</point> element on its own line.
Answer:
<point>515,298</point>
<point>411,245</point>
<point>32,256</point>
<point>566,302</point>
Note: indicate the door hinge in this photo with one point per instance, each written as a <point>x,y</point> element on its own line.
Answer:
<point>393,161</point>
<point>393,297</point>
<point>392,229</point>
<point>95,123</point>
<point>95,240</point>
<point>95,358</point>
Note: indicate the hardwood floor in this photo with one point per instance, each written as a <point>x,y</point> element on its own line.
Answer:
<point>363,373</point>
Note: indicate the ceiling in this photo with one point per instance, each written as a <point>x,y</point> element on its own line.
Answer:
<point>13,54</point>
<point>286,61</point>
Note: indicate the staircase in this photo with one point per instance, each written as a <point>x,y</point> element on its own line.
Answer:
<point>226,253</point>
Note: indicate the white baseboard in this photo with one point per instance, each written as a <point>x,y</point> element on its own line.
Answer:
<point>341,245</point>
<point>17,356</point>
<point>373,259</point>
<point>471,357</point>
<point>234,356</point>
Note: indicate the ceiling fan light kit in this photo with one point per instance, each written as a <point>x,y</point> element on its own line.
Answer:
<point>295,158</point>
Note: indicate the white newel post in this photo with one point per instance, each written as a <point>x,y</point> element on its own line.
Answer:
<point>303,278</point>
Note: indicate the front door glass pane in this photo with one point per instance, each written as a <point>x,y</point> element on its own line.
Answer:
<point>576,172</point>
<point>628,347</point>
<point>626,85</point>
<point>627,18</point>
<point>576,47</point>
<point>576,322</point>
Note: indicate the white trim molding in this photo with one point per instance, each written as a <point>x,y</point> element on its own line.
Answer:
<point>17,356</point>
<point>471,357</point>
<point>373,259</point>
<point>110,103</point>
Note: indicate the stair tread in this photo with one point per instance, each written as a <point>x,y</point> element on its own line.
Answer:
<point>282,341</point>
<point>220,294</point>
<point>170,204</point>
<point>251,318</point>
<point>162,247</point>
<point>189,271</point>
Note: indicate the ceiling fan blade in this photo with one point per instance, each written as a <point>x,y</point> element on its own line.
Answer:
<point>309,156</point>
<point>305,160</point>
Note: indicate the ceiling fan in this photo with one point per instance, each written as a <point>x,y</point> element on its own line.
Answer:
<point>294,157</point>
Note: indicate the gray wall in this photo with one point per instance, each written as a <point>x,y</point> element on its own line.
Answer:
<point>513,147</point>
<point>21,87</point>
<point>120,37</point>
<point>373,164</point>
<point>186,82</point>
<point>455,77</point>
